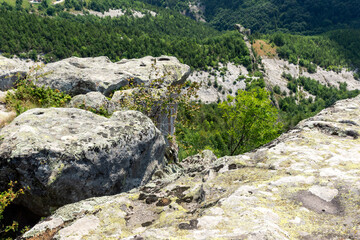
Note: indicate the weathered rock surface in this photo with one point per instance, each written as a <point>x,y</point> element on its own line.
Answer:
<point>304,185</point>
<point>93,101</point>
<point>65,155</point>
<point>82,75</point>
<point>10,69</point>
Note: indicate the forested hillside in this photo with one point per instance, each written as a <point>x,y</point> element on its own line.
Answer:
<point>301,16</point>
<point>332,50</point>
<point>196,44</point>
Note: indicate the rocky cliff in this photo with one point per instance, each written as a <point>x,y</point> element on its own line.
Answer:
<point>303,185</point>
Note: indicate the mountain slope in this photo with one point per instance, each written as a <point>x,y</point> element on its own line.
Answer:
<point>305,16</point>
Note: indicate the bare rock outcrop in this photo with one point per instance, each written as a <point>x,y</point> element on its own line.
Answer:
<point>10,69</point>
<point>274,68</point>
<point>82,75</point>
<point>66,155</point>
<point>303,185</point>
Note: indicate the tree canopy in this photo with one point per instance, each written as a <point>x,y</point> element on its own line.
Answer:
<point>250,119</point>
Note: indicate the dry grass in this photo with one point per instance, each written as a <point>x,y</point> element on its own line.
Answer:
<point>262,49</point>
<point>6,118</point>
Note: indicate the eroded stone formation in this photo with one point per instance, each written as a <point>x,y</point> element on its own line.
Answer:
<point>303,185</point>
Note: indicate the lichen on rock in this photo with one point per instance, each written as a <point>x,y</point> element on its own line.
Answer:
<point>303,185</point>
<point>65,154</point>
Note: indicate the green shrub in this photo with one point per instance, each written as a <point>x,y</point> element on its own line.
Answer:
<point>357,76</point>
<point>27,95</point>
<point>276,89</point>
<point>6,198</point>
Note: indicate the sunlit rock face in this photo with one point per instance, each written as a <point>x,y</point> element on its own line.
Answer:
<point>96,74</point>
<point>303,185</point>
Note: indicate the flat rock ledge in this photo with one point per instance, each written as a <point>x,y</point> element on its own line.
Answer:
<point>66,155</point>
<point>303,185</point>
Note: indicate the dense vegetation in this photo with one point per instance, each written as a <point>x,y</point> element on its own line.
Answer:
<point>27,95</point>
<point>208,129</point>
<point>231,127</point>
<point>296,106</point>
<point>8,228</point>
<point>195,44</point>
<point>302,16</point>
<point>333,50</point>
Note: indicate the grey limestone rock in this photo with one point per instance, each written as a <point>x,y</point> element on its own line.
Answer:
<point>93,100</point>
<point>82,75</point>
<point>10,69</point>
<point>65,155</point>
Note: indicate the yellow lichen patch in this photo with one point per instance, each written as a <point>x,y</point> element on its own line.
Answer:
<point>170,218</point>
<point>133,197</point>
<point>263,48</point>
<point>347,166</point>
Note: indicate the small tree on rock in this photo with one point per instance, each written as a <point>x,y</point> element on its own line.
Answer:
<point>251,120</point>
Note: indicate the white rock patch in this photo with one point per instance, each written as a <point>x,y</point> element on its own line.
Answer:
<point>324,193</point>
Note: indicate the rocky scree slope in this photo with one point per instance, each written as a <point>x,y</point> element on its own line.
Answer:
<point>274,68</point>
<point>303,185</point>
<point>233,78</point>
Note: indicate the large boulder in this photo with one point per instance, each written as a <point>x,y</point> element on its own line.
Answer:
<point>82,75</point>
<point>11,69</point>
<point>65,155</point>
<point>303,185</point>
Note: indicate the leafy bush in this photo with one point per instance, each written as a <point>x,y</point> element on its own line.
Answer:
<point>27,95</point>
<point>6,198</point>
<point>276,89</point>
<point>217,126</point>
<point>155,99</point>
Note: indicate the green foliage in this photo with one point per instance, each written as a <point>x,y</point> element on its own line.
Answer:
<point>28,95</point>
<point>302,16</point>
<point>250,120</point>
<point>102,111</point>
<point>254,83</point>
<point>357,76</point>
<point>201,129</point>
<point>296,107</point>
<point>6,198</point>
<point>276,89</point>
<point>332,51</point>
<point>169,33</point>
<point>226,128</point>
<point>155,100</point>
